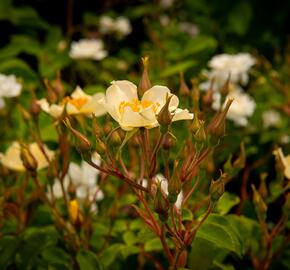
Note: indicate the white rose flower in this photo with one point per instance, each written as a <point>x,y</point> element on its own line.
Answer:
<point>120,25</point>
<point>88,49</point>
<point>122,103</point>
<point>84,179</point>
<point>236,65</point>
<point>78,103</point>
<point>9,87</point>
<point>241,109</point>
<point>12,157</point>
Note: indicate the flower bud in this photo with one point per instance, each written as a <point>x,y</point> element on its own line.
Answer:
<point>51,95</point>
<point>164,117</point>
<point>174,184</point>
<point>161,204</point>
<point>28,160</point>
<point>207,99</point>
<point>183,88</point>
<point>260,206</point>
<point>200,135</point>
<point>145,83</point>
<point>218,124</point>
<point>34,106</point>
<point>97,131</point>
<point>217,188</point>
<point>74,212</point>
<point>241,160</point>
<point>195,122</point>
<point>25,113</point>
<point>168,142</point>
<point>58,86</point>
<point>226,87</point>
<point>82,143</point>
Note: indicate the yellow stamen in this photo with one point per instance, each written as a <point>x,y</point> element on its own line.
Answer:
<point>78,102</point>
<point>137,105</point>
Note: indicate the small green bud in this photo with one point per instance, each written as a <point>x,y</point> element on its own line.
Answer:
<point>145,83</point>
<point>217,188</point>
<point>200,135</point>
<point>174,184</point>
<point>28,160</point>
<point>260,206</point>
<point>161,204</point>
<point>164,117</point>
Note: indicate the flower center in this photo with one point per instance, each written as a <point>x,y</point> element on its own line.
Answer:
<point>137,105</point>
<point>78,102</point>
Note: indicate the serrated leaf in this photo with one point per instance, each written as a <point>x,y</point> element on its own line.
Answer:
<point>110,254</point>
<point>8,248</point>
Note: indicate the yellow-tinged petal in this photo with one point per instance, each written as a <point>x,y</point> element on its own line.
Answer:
<point>93,105</point>
<point>12,160</point>
<point>134,119</point>
<point>127,88</point>
<point>78,93</point>
<point>182,115</point>
<point>156,94</point>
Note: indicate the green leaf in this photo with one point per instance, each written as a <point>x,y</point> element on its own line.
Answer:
<point>218,230</point>
<point>19,68</point>
<point>226,203</point>
<point>153,245</point>
<point>129,238</point>
<point>180,67</point>
<point>8,248</point>
<point>129,250</point>
<point>87,260</point>
<point>187,215</point>
<point>110,254</point>
<point>56,255</point>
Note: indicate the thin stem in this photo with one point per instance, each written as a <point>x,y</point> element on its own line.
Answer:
<point>165,245</point>
<point>118,175</point>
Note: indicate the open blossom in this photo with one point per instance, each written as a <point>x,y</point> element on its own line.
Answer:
<point>271,118</point>
<point>241,109</point>
<point>78,103</point>
<point>88,49</point>
<point>12,157</point>
<point>9,87</point>
<point>120,25</point>
<point>83,178</point>
<point>284,160</point>
<point>223,65</point>
<point>122,103</point>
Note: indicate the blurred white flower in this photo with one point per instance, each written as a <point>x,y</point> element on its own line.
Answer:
<point>241,109</point>
<point>9,87</point>
<point>88,49</point>
<point>189,28</point>
<point>237,66</point>
<point>77,103</point>
<point>83,178</point>
<point>120,25</point>
<point>271,118</point>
